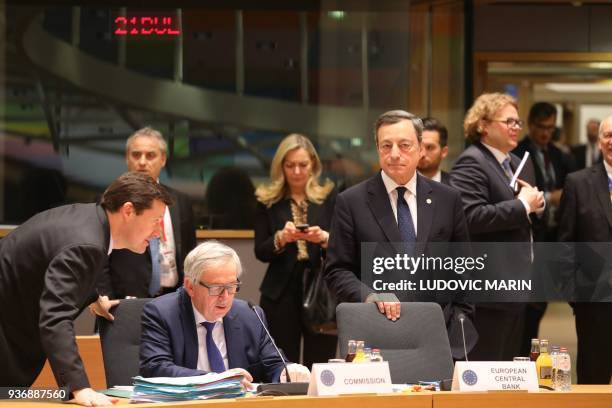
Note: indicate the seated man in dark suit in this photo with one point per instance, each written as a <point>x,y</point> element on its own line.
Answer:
<point>201,328</point>
<point>160,269</point>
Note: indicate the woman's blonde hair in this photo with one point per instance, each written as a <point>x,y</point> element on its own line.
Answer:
<point>484,108</point>
<point>274,191</point>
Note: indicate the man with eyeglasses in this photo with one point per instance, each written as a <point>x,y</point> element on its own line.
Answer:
<point>496,212</point>
<point>551,166</point>
<point>585,215</point>
<point>201,328</point>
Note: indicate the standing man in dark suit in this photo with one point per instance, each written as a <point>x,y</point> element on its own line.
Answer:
<point>396,205</point>
<point>585,215</point>
<point>434,149</point>
<point>160,269</point>
<point>586,155</point>
<point>482,174</point>
<point>48,269</point>
<point>551,166</point>
<point>201,328</point>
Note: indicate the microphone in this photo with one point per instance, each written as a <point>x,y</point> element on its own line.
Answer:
<point>461,318</point>
<point>252,306</point>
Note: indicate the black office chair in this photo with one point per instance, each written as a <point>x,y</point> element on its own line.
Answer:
<point>121,342</point>
<point>416,345</point>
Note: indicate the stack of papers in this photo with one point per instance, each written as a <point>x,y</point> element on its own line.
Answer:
<point>168,389</point>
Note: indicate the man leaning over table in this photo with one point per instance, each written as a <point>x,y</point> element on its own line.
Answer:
<point>201,328</point>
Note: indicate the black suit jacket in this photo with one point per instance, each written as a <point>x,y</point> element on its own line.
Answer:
<point>129,273</point>
<point>48,271</point>
<point>270,220</point>
<point>363,213</point>
<point>562,163</point>
<point>579,155</point>
<point>493,212</point>
<point>445,178</point>
<point>585,215</point>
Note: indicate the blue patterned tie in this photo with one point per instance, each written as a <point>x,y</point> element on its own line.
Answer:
<point>214,355</point>
<point>155,277</point>
<point>404,218</point>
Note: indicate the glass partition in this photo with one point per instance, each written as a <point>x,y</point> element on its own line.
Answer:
<point>224,86</point>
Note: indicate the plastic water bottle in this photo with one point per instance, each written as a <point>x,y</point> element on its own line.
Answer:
<point>564,370</point>
<point>352,351</point>
<point>376,356</point>
<point>367,355</point>
<point>554,357</point>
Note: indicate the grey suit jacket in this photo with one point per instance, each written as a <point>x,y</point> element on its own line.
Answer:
<point>48,270</point>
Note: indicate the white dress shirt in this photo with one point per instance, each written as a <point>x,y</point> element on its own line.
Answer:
<point>609,173</point>
<point>218,335</point>
<point>168,272</point>
<point>409,196</point>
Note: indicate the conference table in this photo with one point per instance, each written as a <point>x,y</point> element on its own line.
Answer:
<point>581,396</point>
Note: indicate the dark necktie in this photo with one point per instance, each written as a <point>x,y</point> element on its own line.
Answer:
<point>155,272</point>
<point>549,173</point>
<point>507,168</point>
<point>214,355</point>
<point>404,218</point>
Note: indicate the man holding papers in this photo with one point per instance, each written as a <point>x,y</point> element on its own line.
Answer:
<point>201,328</point>
<point>496,213</point>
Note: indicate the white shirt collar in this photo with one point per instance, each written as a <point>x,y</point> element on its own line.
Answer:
<point>499,155</point>
<point>608,169</point>
<point>391,185</point>
<point>199,318</point>
<point>110,246</point>
<point>436,177</point>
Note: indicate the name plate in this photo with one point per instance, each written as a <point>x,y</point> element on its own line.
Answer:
<point>495,376</point>
<point>350,378</point>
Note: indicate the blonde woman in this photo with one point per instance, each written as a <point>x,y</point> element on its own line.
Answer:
<point>291,233</point>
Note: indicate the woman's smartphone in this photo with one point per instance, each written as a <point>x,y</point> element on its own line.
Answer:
<point>302,227</point>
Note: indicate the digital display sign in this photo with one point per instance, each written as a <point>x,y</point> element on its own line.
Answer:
<point>146,25</point>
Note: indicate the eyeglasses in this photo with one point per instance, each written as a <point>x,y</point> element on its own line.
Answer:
<point>511,122</point>
<point>217,290</point>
